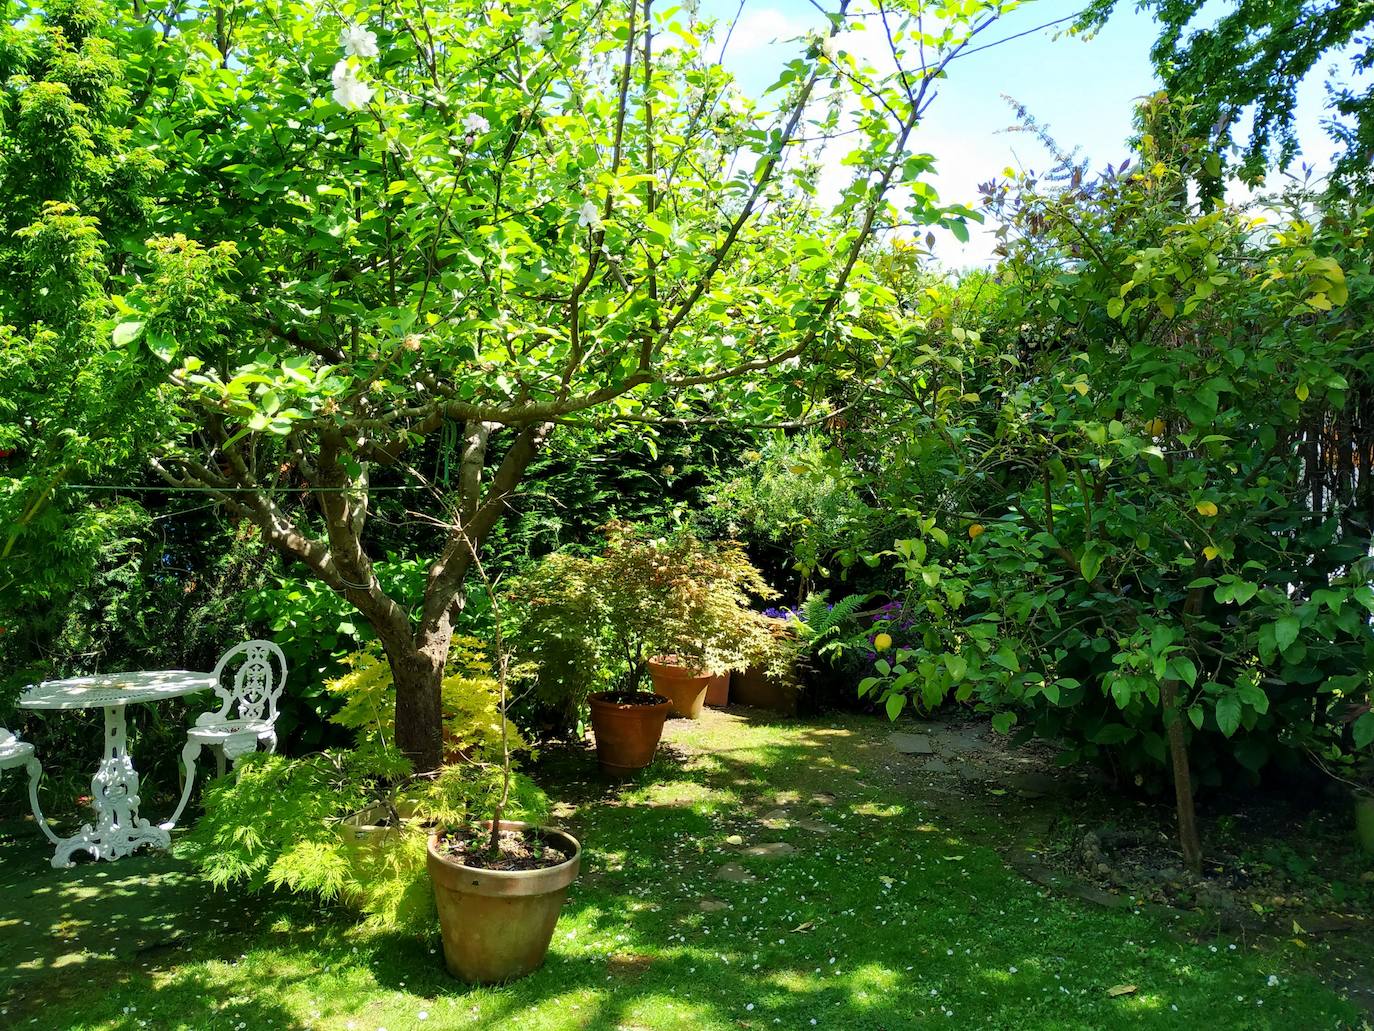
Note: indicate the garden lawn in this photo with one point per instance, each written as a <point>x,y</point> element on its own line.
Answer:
<point>890,910</point>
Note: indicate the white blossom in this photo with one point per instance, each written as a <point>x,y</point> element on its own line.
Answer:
<point>350,91</point>
<point>588,215</point>
<point>358,41</point>
<point>535,35</point>
<point>830,47</point>
<point>690,7</point>
<point>476,124</point>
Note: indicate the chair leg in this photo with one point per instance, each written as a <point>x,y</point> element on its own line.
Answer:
<point>269,738</point>
<point>189,753</point>
<point>219,760</point>
<point>35,769</point>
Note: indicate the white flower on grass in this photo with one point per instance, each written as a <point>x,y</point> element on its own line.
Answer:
<point>358,41</point>
<point>476,124</point>
<point>589,216</point>
<point>1273,981</point>
<point>350,91</point>
<point>535,35</point>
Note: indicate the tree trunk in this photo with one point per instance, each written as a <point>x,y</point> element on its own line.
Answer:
<point>1188,837</point>
<point>418,674</point>
<point>1183,778</point>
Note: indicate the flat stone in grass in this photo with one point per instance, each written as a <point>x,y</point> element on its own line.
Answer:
<point>911,744</point>
<point>776,820</point>
<point>736,873</point>
<point>712,905</point>
<point>815,826</point>
<point>772,850</point>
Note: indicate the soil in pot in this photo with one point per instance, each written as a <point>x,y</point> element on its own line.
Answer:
<point>684,686</point>
<point>497,914</point>
<point>627,726</point>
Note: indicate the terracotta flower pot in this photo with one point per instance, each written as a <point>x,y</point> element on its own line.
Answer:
<point>627,732</point>
<point>497,924</point>
<point>754,687</point>
<point>684,686</point>
<point>718,690</point>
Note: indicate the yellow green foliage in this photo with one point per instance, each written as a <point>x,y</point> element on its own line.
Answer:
<point>471,701</point>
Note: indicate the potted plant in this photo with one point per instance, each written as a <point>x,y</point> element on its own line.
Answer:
<point>499,886</point>
<point>673,609</point>
<point>357,824</point>
<point>770,681</point>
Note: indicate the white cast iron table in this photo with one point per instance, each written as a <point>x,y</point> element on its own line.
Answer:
<point>118,829</point>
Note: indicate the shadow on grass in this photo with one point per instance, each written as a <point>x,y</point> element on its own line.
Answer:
<point>879,913</point>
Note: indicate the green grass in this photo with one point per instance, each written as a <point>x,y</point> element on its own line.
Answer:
<point>903,916</point>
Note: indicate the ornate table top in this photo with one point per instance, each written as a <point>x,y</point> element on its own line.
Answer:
<point>114,689</point>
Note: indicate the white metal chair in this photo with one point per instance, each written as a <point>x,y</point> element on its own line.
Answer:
<point>15,754</point>
<point>246,718</point>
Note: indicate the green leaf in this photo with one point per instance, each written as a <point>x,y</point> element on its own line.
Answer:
<point>1363,729</point>
<point>895,704</point>
<point>1091,562</point>
<point>127,332</point>
<point>1196,716</point>
<point>1286,631</point>
<point>1228,714</point>
<point>957,666</point>
<point>1113,734</point>
<point>1003,722</point>
<point>1184,669</point>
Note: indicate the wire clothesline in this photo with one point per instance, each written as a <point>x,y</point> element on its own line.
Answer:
<point>176,489</point>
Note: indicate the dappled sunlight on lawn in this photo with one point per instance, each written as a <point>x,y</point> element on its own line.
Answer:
<point>845,908</point>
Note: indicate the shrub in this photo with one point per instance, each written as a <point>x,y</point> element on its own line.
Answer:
<point>589,623</point>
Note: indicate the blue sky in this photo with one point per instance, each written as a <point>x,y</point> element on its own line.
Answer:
<point>1081,89</point>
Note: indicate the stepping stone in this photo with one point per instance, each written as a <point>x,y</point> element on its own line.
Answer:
<point>712,905</point>
<point>735,872</point>
<point>911,744</point>
<point>773,850</point>
<point>823,798</point>
<point>935,765</point>
<point>815,826</point>
<point>777,820</point>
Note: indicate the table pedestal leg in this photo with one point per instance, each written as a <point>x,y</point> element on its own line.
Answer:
<point>118,830</point>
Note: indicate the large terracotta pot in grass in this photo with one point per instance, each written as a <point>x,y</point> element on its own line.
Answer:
<point>497,924</point>
<point>718,690</point>
<point>684,686</point>
<point>755,687</point>
<point>627,727</point>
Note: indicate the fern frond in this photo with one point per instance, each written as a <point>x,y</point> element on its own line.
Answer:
<point>824,621</point>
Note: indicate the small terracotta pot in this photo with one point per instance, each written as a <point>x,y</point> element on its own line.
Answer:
<point>497,924</point>
<point>684,686</point>
<point>718,689</point>
<point>626,734</point>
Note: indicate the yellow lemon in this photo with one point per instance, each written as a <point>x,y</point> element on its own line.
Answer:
<point>1155,427</point>
<point>975,531</point>
<point>882,642</point>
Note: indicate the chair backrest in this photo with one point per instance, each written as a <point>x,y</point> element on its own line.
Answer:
<point>255,687</point>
